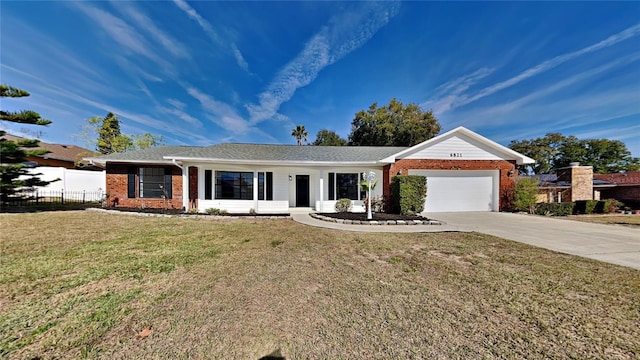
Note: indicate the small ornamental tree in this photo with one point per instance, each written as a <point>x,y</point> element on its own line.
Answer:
<point>408,194</point>
<point>15,179</point>
<point>524,195</point>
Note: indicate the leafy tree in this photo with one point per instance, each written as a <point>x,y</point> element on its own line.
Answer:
<point>329,138</point>
<point>300,133</point>
<point>15,179</point>
<point>105,135</point>
<point>554,151</point>
<point>525,195</point>
<point>394,124</point>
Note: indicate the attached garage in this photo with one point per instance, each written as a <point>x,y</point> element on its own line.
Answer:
<point>465,171</point>
<point>461,190</point>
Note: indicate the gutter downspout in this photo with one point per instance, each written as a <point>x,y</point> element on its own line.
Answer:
<point>185,185</point>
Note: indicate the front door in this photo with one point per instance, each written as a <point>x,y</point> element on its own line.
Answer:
<point>302,190</point>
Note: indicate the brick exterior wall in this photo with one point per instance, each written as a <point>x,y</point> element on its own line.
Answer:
<point>504,167</point>
<point>629,193</point>
<point>117,183</point>
<point>581,179</point>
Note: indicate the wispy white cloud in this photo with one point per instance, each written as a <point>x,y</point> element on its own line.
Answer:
<point>446,95</point>
<point>182,115</point>
<point>239,58</point>
<point>343,34</point>
<point>510,109</point>
<point>212,33</point>
<point>204,24</point>
<point>176,103</point>
<point>146,24</point>
<point>122,33</point>
<point>220,113</point>
<point>454,99</point>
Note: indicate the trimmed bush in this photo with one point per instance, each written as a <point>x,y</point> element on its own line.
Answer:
<point>555,209</point>
<point>408,193</point>
<point>525,195</point>
<point>343,205</point>
<point>585,207</point>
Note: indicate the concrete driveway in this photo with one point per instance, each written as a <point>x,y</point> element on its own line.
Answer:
<point>610,243</point>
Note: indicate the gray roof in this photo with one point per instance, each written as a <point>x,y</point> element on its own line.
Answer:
<point>256,153</point>
<point>153,154</point>
<point>289,153</point>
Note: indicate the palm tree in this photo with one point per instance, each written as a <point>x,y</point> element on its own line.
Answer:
<point>300,133</point>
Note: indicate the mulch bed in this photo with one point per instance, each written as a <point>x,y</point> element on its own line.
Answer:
<point>182,213</point>
<point>374,216</point>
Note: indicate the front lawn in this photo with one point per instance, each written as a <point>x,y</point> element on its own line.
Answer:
<point>627,220</point>
<point>85,284</point>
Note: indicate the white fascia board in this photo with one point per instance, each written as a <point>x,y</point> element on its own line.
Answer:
<point>275,162</point>
<point>520,159</point>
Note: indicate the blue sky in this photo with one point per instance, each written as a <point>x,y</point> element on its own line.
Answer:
<point>202,73</point>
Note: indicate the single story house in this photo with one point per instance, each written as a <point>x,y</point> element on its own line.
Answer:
<point>577,182</point>
<point>626,187</point>
<point>465,172</point>
<point>60,155</point>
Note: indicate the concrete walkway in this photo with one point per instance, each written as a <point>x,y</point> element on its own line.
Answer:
<point>609,243</point>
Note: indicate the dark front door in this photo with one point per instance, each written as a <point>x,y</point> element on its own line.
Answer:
<point>302,190</point>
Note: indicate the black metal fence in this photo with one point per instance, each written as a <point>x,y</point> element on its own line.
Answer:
<point>60,197</point>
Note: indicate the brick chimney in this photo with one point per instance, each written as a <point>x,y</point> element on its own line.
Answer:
<point>581,180</point>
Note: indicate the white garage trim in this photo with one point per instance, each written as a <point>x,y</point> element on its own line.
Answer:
<point>461,190</point>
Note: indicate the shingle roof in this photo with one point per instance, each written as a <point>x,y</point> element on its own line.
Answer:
<point>70,153</point>
<point>290,153</point>
<point>256,153</point>
<point>153,154</point>
<point>625,178</point>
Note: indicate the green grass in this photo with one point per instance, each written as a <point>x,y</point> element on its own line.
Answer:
<point>84,284</point>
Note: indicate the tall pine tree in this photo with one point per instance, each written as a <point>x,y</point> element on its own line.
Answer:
<point>15,179</point>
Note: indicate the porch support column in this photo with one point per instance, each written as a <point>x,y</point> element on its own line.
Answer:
<point>185,185</point>
<point>255,190</point>
<point>321,192</point>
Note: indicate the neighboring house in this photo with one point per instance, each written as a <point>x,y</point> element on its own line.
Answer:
<point>573,183</point>
<point>465,172</point>
<point>626,187</point>
<point>66,156</point>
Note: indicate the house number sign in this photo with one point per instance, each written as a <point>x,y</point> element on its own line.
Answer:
<point>455,155</point>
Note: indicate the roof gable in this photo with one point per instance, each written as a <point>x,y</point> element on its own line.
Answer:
<point>462,144</point>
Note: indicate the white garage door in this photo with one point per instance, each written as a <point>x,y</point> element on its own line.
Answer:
<point>460,190</point>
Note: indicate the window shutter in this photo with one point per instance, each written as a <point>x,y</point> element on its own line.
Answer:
<point>167,183</point>
<point>269,184</point>
<point>208,184</point>
<point>131,182</point>
<point>332,186</point>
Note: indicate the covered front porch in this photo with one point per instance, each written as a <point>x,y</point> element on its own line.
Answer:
<point>273,189</point>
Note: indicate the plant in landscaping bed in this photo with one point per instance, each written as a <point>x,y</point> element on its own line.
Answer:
<point>524,195</point>
<point>215,211</point>
<point>343,205</point>
<point>408,193</point>
<point>555,209</point>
